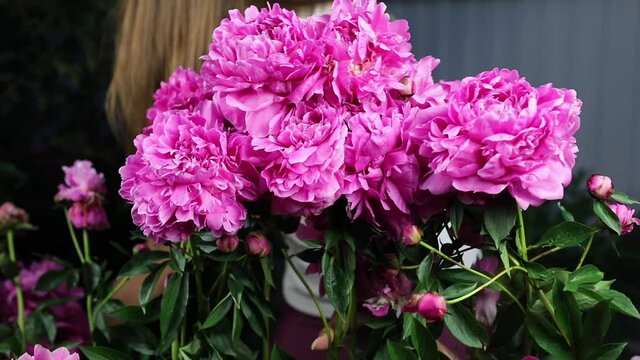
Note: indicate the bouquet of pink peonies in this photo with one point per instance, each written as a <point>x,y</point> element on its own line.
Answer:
<point>327,134</point>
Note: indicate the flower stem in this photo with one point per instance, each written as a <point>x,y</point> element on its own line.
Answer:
<point>174,349</point>
<point>89,299</point>
<point>19,295</point>
<point>487,284</point>
<point>462,266</point>
<point>266,291</point>
<point>202,301</point>
<point>584,253</point>
<point>522,237</point>
<point>74,239</point>
<point>113,291</point>
<point>548,252</point>
<point>551,310</point>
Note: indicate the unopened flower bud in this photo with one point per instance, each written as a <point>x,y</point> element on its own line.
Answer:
<point>432,307</point>
<point>12,216</point>
<point>412,304</point>
<point>258,245</point>
<point>600,186</point>
<point>228,243</point>
<point>411,235</point>
<point>140,247</point>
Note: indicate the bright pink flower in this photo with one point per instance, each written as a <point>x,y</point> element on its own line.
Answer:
<point>228,243</point>
<point>486,301</point>
<point>186,175</point>
<point>500,133</point>
<point>600,186</point>
<point>40,353</point>
<point>90,215</point>
<point>81,182</point>
<point>306,152</point>
<point>184,90</point>
<point>432,307</point>
<point>12,216</point>
<point>380,176</point>
<point>257,244</point>
<point>625,215</point>
<point>262,61</point>
<point>424,92</point>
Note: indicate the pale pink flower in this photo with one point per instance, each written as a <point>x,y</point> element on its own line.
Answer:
<point>81,182</point>
<point>184,90</point>
<point>499,133</point>
<point>625,215</point>
<point>40,353</point>
<point>187,175</point>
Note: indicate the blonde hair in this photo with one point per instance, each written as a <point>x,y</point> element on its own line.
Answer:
<point>154,38</point>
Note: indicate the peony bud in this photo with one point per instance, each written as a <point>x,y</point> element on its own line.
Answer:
<point>412,304</point>
<point>432,307</point>
<point>411,235</point>
<point>228,243</point>
<point>258,245</point>
<point>600,186</point>
<point>11,217</point>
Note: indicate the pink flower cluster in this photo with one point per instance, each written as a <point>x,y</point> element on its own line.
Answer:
<point>70,318</point>
<point>84,188</point>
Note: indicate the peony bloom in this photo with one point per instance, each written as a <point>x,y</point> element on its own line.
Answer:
<point>263,60</point>
<point>499,133</point>
<point>228,243</point>
<point>600,186</point>
<point>69,316</point>
<point>486,301</point>
<point>420,86</point>
<point>90,216</point>
<point>184,90</point>
<point>380,176</point>
<point>306,153</point>
<point>187,175</point>
<point>625,215</point>
<point>385,289</point>
<point>258,245</point>
<point>12,217</point>
<point>81,183</point>
<point>411,235</point>
<point>40,353</point>
<point>432,307</point>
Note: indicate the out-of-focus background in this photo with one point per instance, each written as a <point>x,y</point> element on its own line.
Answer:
<point>56,61</point>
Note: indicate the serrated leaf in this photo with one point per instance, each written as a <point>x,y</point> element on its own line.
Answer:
<point>103,353</point>
<point>608,217</point>
<point>218,312</point>
<point>566,234</point>
<point>464,326</point>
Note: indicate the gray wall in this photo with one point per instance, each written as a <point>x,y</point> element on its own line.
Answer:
<point>592,46</point>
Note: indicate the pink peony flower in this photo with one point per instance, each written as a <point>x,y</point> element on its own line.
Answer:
<point>500,133</point>
<point>625,215</point>
<point>380,176</point>
<point>306,152</point>
<point>420,86</point>
<point>432,307</point>
<point>228,243</point>
<point>385,289</point>
<point>90,215</point>
<point>263,60</point>
<point>258,245</point>
<point>184,90</point>
<point>187,174</point>
<point>81,183</point>
<point>12,216</point>
<point>600,186</point>
<point>486,301</point>
<point>40,353</point>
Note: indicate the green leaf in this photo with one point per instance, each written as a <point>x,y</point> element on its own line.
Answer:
<point>566,234</point>
<point>236,289</point>
<point>457,290</point>
<point>500,217</point>
<point>423,342</point>
<point>46,322</point>
<point>332,238</point>
<point>547,337</point>
<point>312,244</point>
<point>236,325</point>
<point>587,274</point>
<point>566,215</point>
<point>142,262</point>
<point>52,280</point>
<point>464,326</point>
<point>596,324</point>
<point>397,351</point>
<point>267,271</point>
<point>149,283</point>
<point>608,352</point>
<point>178,261</point>
<point>103,353</point>
<point>336,285</point>
<point>504,255</point>
<point>424,270</point>
<point>279,354</point>
<point>561,312</point>
<point>608,217</point>
<point>620,302</point>
<point>456,216</point>
<point>91,275</point>
<point>255,322</point>
<point>174,304</point>
<point>135,314</point>
<point>538,272</point>
<point>218,312</point>
<point>262,305</point>
<point>624,198</point>
<point>381,322</point>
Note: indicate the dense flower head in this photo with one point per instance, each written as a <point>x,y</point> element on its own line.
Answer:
<point>41,353</point>
<point>500,133</point>
<point>625,216</point>
<point>81,183</point>
<point>69,316</point>
<point>187,174</point>
<point>381,177</point>
<point>12,216</point>
<point>260,61</point>
<point>600,186</point>
<point>305,151</point>
<point>184,90</point>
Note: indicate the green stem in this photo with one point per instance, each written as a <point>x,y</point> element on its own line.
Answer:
<point>410,267</point>
<point>551,310</point>
<point>462,266</point>
<point>266,291</point>
<point>548,252</point>
<point>19,295</point>
<point>325,324</point>
<point>72,232</point>
<point>522,236</point>
<point>109,296</point>
<point>87,250</point>
<point>202,301</point>
<point>89,300</point>
<point>218,281</point>
<point>174,349</point>
<point>483,286</point>
<point>584,253</point>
